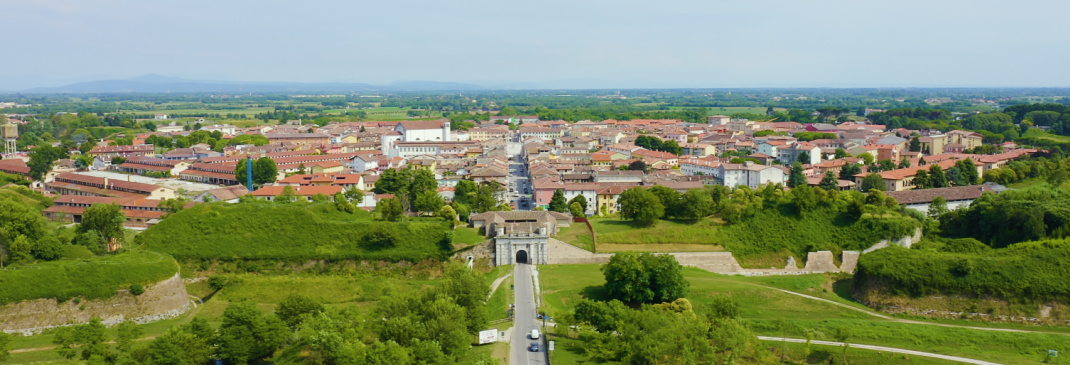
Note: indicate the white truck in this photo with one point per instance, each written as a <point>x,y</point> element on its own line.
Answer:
<point>535,334</point>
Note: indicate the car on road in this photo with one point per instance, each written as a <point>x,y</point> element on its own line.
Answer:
<point>534,347</point>
<point>535,334</point>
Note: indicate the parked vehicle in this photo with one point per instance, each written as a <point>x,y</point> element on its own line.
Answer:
<point>534,347</point>
<point>535,334</point>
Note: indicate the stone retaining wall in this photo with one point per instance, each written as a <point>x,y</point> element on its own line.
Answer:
<point>162,300</point>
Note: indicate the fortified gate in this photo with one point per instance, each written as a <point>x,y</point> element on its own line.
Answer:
<point>520,236</point>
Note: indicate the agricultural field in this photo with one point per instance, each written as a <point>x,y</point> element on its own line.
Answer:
<point>729,110</point>
<point>768,311</point>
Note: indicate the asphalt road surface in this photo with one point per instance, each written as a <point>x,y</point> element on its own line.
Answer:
<point>524,298</point>
<point>519,187</point>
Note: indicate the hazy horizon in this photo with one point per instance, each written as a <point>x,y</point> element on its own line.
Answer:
<point>544,45</point>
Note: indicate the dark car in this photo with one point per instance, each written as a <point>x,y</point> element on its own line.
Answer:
<point>534,347</point>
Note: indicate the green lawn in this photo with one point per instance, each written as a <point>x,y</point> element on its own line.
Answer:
<point>773,313</point>
<point>616,230</point>
<point>467,236</point>
<point>498,304</point>
<point>577,235</point>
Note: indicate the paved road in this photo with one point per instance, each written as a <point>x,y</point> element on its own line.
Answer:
<point>519,183</point>
<point>524,297</point>
<point>881,348</point>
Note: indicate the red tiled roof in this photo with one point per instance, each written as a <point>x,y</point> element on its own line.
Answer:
<point>299,190</point>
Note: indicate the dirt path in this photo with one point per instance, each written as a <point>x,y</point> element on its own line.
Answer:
<point>900,320</point>
<point>881,348</point>
<point>46,348</point>
<point>497,282</point>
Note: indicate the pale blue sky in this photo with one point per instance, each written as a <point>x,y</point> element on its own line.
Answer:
<point>572,43</point>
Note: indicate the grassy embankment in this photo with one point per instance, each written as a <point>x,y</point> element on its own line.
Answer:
<point>88,278</point>
<point>763,241</point>
<point>294,232</point>
<point>773,313</point>
<point>355,290</point>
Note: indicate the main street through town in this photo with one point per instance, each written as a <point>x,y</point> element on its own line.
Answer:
<point>524,321</point>
<point>519,190</point>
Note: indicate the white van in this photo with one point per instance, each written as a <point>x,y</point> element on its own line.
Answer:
<point>535,334</point>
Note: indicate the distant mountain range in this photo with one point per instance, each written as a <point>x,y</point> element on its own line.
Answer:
<point>166,84</point>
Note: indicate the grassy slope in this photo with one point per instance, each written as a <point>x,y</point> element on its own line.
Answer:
<point>289,232</point>
<point>91,278</point>
<point>760,242</point>
<point>467,236</point>
<point>1033,132</point>
<point>764,309</point>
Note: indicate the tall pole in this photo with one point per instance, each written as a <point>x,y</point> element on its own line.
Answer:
<point>249,172</point>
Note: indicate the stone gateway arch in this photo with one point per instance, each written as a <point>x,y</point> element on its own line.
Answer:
<point>520,236</point>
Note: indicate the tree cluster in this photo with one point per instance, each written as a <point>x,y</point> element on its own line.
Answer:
<point>656,144</point>
<point>644,278</point>
<point>669,333</point>
<point>264,171</point>
<point>1012,216</point>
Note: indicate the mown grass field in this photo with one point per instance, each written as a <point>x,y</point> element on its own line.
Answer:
<point>773,313</point>
<point>569,351</point>
<point>577,235</point>
<point>616,230</point>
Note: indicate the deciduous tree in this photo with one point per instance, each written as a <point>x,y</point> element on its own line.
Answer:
<point>247,335</point>
<point>872,182</point>
<point>106,219</point>
<point>641,206</point>
<point>390,209</point>
<point>293,309</point>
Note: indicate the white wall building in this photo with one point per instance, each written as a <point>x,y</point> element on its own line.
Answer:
<point>750,174</point>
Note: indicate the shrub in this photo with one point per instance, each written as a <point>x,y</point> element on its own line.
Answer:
<point>136,289</point>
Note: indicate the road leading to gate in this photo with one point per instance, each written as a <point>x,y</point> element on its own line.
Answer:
<point>524,298</point>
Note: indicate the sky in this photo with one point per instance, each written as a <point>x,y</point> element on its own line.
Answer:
<point>543,43</point>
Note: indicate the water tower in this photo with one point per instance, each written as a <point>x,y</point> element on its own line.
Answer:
<point>11,134</point>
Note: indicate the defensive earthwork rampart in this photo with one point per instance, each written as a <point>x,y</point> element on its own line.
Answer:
<point>162,300</point>
<point>724,263</point>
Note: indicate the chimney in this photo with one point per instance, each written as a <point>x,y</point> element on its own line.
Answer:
<point>105,183</point>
